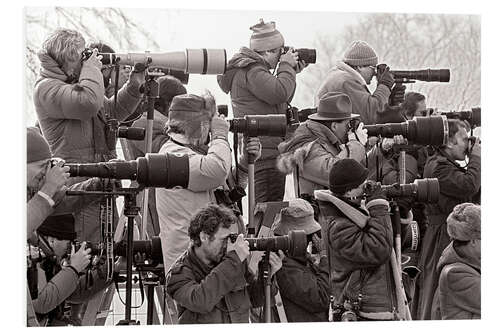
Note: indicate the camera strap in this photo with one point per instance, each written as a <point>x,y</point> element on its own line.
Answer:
<point>106,217</point>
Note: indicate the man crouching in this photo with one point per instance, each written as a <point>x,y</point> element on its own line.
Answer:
<point>209,281</point>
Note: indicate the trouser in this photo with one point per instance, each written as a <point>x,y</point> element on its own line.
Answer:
<point>269,181</point>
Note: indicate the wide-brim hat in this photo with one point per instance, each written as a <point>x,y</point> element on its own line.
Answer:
<point>334,106</point>
<point>59,226</point>
<point>299,215</point>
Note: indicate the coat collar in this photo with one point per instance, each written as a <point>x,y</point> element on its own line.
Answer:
<point>346,68</point>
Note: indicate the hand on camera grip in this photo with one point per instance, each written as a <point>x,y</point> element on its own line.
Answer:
<point>240,246</point>
<point>81,259</point>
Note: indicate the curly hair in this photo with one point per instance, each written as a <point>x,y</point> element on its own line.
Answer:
<point>208,220</point>
<point>62,45</point>
<point>409,105</point>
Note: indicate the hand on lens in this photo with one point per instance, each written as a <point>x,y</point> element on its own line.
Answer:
<point>240,246</point>
<point>386,78</point>
<point>290,57</point>
<point>55,179</point>
<point>275,261</point>
<point>476,149</point>
<point>94,59</point>
<point>300,66</point>
<point>137,77</point>
<point>81,259</point>
<point>219,126</point>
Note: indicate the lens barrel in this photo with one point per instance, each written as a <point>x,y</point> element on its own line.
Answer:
<point>295,243</point>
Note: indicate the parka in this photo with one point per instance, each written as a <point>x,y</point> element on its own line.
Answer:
<point>345,79</point>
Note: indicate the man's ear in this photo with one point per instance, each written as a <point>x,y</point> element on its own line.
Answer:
<point>203,236</point>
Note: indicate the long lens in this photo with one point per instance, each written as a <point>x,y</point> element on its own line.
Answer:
<point>473,116</point>
<point>419,130</point>
<point>151,248</point>
<point>154,170</point>
<point>422,190</point>
<point>131,133</point>
<point>196,61</point>
<point>295,243</point>
<point>307,55</point>
<point>429,75</point>
<point>260,125</point>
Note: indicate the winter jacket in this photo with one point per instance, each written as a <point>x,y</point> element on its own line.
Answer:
<point>345,79</point>
<point>176,206</point>
<point>304,289</point>
<point>459,290</point>
<point>314,148</point>
<point>207,295</point>
<point>360,259</point>
<point>456,185</point>
<point>255,91</point>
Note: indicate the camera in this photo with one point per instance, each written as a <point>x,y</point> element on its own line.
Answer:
<point>346,311</point>
<point>409,76</point>
<point>295,243</point>
<point>222,109</point>
<point>131,133</point>
<point>95,249</point>
<point>473,116</point>
<point>295,116</point>
<point>260,125</point>
<point>153,170</point>
<point>151,248</point>
<point>419,130</point>
<point>306,55</point>
<point>421,190</point>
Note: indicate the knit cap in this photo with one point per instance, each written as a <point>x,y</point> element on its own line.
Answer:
<point>359,53</point>
<point>188,112</point>
<point>299,215</point>
<point>59,226</point>
<point>345,175</point>
<point>464,222</point>
<point>265,37</point>
<point>37,146</point>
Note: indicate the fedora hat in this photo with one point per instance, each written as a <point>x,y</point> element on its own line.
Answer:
<point>334,106</point>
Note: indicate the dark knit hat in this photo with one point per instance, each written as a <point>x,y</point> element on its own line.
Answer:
<point>464,222</point>
<point>59,226</point>
<point>265,37</point>
<point>359,53</point>
<point>169,87</point>
<point>188,111</point>
<point>334,106</point>
<point>36,145</point>
<point>345,175</point>
<point>299,215</point>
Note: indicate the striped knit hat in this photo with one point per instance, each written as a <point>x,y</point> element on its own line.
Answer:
<point>265,37</point>
<point>359,53</point>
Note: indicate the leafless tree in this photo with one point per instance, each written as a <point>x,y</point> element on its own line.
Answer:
<point>411,41</point>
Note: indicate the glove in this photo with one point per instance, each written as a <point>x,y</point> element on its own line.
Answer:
<point>397,95</point>
<point>386,78</point>
<point>137,76</point>
<point>360,134</point>
<point>219,127</point>
<point>373,190</point>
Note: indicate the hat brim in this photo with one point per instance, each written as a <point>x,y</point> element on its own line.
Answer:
<point>308,224</point>
<point>315,116</point>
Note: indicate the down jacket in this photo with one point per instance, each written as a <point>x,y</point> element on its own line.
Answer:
<point>314,148</point>
<point>345,79</point>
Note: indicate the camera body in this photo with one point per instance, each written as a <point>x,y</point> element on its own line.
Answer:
<point>306,55</point>
<point>348,311</point>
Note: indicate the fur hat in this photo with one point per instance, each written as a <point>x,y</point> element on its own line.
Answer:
<point>265,37</point>
<point>359,53</point>
<point>188,112</point>
<point>299,215</point>
<point>464,222</point>
<point>36,145</point>
<point>169,87</point>
<point>345,175</point>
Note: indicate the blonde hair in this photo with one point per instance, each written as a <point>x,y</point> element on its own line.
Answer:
<point>63,45</point>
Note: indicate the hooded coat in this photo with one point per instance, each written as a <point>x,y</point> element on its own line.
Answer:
<point>459,290</point>
<point>345,79</point>
<point>314,148</point>
<point>456,185</point>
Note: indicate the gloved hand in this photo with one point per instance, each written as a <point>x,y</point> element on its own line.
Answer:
<point>385,77</point>
<point>137,77</point>
<point>397,95</point>
<point>219,127</point>
<point>275,261</point>
<point>373,190</point>
<point>300,66</point>
<point>290,57</point>
<point>387,143</point>
<point>360,134</point>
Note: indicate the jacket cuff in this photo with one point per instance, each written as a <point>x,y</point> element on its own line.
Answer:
<point>377,202</point>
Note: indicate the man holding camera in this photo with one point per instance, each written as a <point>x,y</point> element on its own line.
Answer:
<point>192,122</point>
<point>326,137</point>
<point>359,243</point>
<point>255,91</point>
<point>210,282</point>
<point>352,75</point>
<point>74,115</point>
<point>303,281</point>
<point>456,185</point>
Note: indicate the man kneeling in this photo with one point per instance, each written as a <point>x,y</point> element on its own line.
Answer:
<point>209,281</point>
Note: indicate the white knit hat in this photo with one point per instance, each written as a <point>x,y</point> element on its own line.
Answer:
<point>464,222</point>
<point>359,53</point>
<point>265,37</point>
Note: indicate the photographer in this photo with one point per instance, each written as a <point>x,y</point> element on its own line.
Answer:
<point>326,137</point>
<point>51,278</point>
<point>352,75</point>
<point>303,281</point>
<point>456,185</point>
<point>458,295</point>
<point>191,120</point>
<point>254,90</point>
<point>73,112</point>
<point>359,243</point>
<point>210,282</point>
